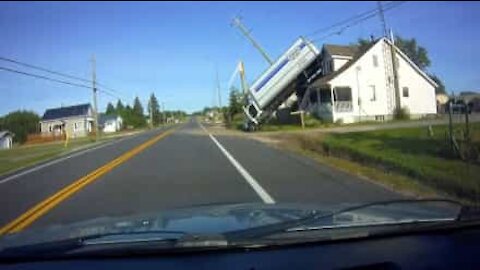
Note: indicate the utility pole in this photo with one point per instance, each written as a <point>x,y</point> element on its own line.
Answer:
<point>382,18</point>
<point>395,71</point>
<point>164,118</point>
<point>241,70</point>
<point>94,88</point>
<point>392,55</point>
<point>238,23</point>
<point>151,112</point>
<point>218,88</point>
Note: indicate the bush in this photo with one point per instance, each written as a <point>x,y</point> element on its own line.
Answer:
<point>311,121</point>
<point>401,114</point>
<point>21,123</point>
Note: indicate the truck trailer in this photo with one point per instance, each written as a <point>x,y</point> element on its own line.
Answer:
<point>277,83</point>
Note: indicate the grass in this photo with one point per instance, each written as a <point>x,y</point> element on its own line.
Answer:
<point>27,155</point>
<point>414,153</point>
<point>311,123</point>
<point>406,160</point>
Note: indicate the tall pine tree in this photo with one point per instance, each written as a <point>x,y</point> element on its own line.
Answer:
<point>154,109</point>
<point>110,109</point>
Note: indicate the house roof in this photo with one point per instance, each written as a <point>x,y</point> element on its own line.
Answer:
<point>325,79</point>
<point>342,50</point>
<point>63,112</point>
<point>4,133</point>
<point>102,118</point>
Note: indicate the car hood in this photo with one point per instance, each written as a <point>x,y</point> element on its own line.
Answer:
<point>211,219</point>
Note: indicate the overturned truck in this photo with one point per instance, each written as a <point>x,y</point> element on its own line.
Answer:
<point>279,82</point>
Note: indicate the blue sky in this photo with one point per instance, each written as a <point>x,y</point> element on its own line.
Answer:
<point>172,48</point>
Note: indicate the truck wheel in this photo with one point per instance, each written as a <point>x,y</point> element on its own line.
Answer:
<point>251,127</point>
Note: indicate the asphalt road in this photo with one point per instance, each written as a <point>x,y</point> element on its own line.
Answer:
<point>186,168</point>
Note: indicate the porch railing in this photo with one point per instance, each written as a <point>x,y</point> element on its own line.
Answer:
<point>343,106</point>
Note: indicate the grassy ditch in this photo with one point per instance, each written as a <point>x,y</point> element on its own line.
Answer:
<point>408,159</point>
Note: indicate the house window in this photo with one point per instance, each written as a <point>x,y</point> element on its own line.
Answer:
<point>405,91</point>
<point>49,128</point>
<point>330,66</point>
<point>373,94</point>
<point>313,96</point>
<point>342,93</point>
<point>375,61</point>
<point>325,96</point>
<point>75,126</point>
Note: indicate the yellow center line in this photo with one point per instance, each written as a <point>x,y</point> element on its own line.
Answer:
<point>49,203</point>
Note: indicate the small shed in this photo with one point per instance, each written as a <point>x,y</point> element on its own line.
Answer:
<point>6,139</point>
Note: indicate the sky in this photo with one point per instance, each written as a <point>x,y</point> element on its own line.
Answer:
<point>173,49</point>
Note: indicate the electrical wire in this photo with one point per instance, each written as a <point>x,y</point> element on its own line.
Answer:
<point>56,73</point>
<point>57,81</point>
<point>43,77</point>
<point>348,23</point>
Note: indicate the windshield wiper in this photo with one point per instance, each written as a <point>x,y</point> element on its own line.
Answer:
<point>314,216</point>
<point>62,246</point>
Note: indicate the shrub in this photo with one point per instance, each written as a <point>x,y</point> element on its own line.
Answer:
<point>401,113</point>
<point>311,121</point>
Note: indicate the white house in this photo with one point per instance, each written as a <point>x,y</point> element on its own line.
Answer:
<point>110,123</point>
<point>6,139</point>
<point>76,121</point>
<point>357,85</point>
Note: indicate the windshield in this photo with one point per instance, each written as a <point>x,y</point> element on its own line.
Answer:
<point>192,124</point>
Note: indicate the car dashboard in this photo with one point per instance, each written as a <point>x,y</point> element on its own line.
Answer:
<point>457,249</point>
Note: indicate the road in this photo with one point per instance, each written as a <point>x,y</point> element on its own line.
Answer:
<point>168,168</point>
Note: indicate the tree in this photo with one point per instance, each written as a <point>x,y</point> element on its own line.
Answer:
<point>441,87</point>
<point>416,53</point>
<point>363,43</point>
<point>235,101</point>
<point>135,115</point>
<point>137,107</point>
<point>110,109</point>
<point>21,123</point>
<point>119,107</point>
<point>154,109</point>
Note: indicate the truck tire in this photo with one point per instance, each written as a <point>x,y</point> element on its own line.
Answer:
<point>251,127</point>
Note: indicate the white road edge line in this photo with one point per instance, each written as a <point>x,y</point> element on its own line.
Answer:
<point>55,161</point>
<point>249,178</point>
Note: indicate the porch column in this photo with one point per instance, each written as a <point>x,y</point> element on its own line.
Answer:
<point>332,101</point>
<point>332,97</point>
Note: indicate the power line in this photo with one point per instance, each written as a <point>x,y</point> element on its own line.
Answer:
<point>320,30</point>
<point>353,18</point>
<point>57,81</point>
<point>109,94</point>
<point>56,73</point>
<point>43,77</point>
<point>359,20</point>
<point>44,69</point>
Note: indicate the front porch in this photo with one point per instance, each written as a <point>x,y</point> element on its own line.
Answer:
<point>320,103</point>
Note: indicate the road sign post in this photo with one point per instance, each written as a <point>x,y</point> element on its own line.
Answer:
<point>302,120</point>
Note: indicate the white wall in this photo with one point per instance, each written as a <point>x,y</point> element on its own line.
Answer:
<point>368,75</point>
<point>421,98</point>
<point>110,126</point>
<point>6,142</point>
<point>339,62</point>
<point>78,131</point>
<point>113,125</point>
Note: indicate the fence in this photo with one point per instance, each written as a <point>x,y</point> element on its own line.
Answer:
<point>44,138</point>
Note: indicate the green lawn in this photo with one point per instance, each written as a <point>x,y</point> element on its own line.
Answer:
<point>23,156</point>
<point>414,153</point>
